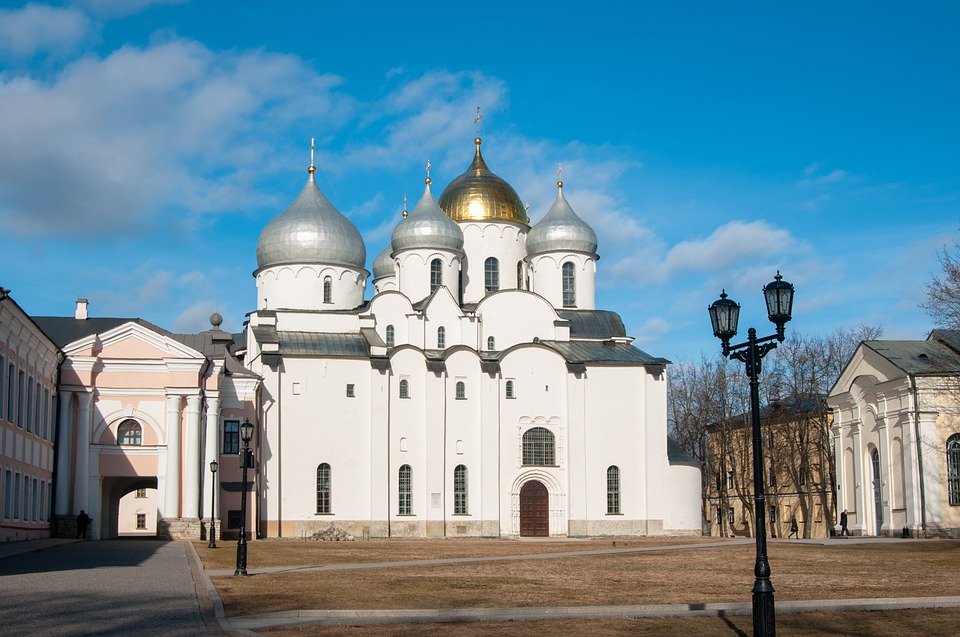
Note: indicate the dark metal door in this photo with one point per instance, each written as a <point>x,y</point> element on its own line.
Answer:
<point>534,510</point>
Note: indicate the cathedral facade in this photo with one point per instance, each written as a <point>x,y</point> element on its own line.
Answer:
<point>476,391</point>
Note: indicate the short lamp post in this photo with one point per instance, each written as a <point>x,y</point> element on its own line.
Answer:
<point>213,504</point>
<point>725,314</point>
<point>246,434</point>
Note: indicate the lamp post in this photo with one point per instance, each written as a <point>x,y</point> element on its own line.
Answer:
<point>724,315</point>
<point>213,503</point>
<point>246,433</point>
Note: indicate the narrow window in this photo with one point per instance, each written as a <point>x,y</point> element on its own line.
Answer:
<point>509,389</point>
<point>141,493</point>
<point>953,468</point>
<point>519,275</point>
<point>29,403</point>
<point>436,274</point>
<point>10,392</point>
<point>773,515</point>
<point>491,343</point>
<point>405,500</point>
<point>569,285</point>
<point>350,390</point>
<point>233,519</point>
<point>613,490</point>
<point>141,520</point>
<point>129,433</point>
<point>46,413</point>
<point>323,488</point>
<point>729,479</point>
<point>730,517</point>
<point>441,337</point>
<point>20,389</point>
<point>404,388</point>
<point>461,390</point>
<point>16,497</point>
<point>7,488</point>
<point>538,447</point>
<point>327,289</point>
<point>391,336</point>
<point>802,478</point>
<point>3,385</point>
<point>231,436</point>
<point>491,274</point>
<point>460,490</point>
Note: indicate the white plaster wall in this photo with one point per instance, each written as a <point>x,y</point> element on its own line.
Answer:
<point>442,312</point>
<point>684,513</point>
<point>392,308</point>
<point>300,287</point>
<point>385,283</point>
<point>318,322</point>
<point>547,279</point>
<point>413,272</point>
<point>503,240</point>
<point>408,420</point>
<point>514,317</point>
<point>463,443</point>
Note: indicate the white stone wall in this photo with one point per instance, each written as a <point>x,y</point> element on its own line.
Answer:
<point>547,278</point>
<point>413,272</point>
<point>503,240</point>
<point>300,287</point>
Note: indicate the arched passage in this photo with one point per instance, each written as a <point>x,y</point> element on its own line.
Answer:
<point>114,489</point>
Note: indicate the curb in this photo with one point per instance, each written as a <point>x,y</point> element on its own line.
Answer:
<point>225,624</point>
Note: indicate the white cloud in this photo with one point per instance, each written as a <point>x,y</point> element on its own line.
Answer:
<point>114,140</point>
<point>195,318</point>
<point>121,8</point>
<point>39,28</point>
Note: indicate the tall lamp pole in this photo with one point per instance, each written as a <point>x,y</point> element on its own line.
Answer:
<point>213,504</point>
<point>246,433</point>
<point>724,315</point>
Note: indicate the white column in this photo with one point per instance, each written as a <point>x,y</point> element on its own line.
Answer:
<point>210,454</point>
<point>171,497</point>
<point>886,476</point>
<point>65,447</point>
<point>862,482</point>
<point>191,488</point>
<point>81,484</point>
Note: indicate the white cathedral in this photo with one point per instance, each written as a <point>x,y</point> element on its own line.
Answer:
<point>479,393</point>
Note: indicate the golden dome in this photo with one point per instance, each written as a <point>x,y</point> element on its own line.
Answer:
<point>479,195</point>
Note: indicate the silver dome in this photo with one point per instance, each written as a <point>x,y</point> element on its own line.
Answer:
<point>311,230</point>
<point>383,264</point>
<point>561,230</point>
<point>427,227</point>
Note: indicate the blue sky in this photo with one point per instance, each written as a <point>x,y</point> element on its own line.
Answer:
<point>145,144</point>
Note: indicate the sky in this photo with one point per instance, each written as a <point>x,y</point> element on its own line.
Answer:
<point>145,143</point>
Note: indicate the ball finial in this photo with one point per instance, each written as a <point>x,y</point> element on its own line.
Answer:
<point>216,320</point>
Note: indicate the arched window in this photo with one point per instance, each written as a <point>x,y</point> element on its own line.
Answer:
<point>461,390</point>
<point>327,289</point>
<point>538,445</point>
<point>441,337</point>
<point>405,488</point>
<point>404,388</point>
<point>323,488</point>
<point>460,490</point>
<point>436,274</point>
<point>129,433</point>
<point>491,274</point>
<point>391,336</point>
<point>509,389</point>
<point>569,285</point>
<point>491,343</point>
<point>613,490</point>
<point>953,468</point>
<point>519,275</point>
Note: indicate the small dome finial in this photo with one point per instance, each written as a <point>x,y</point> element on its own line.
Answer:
<point>216,320</point>
<point>404,213</point>
<point>559,175</point>
<point>312,169</point>
<point>427,180</point>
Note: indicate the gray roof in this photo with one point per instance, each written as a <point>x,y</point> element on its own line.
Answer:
<point>676,454</point>
<point>212,343</point>
<point>603,353</point>
<point>427,227</point>
<point>311,230</point>
<point>593,323</point>
<point>64,330</point>
<point>933,356</point>
<point>561,230</point>
<point>383,264</point>
<point>323,344</point>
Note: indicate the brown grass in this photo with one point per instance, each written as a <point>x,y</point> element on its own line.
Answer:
<point>908,622</point>
<point>725,573</point>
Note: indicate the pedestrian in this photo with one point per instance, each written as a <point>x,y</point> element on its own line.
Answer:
<point>843,523</point>
<point>83,521</point>
<point>794,529</point>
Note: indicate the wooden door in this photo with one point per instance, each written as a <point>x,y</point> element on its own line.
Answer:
<point>534,510</point>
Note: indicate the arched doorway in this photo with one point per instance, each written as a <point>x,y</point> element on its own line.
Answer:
<point>534,510</point>
<point>140,513</point>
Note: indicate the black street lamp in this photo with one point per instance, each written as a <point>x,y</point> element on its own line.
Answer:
<point>724,315</point>
<point>246,434</point>
<point>213,503</point>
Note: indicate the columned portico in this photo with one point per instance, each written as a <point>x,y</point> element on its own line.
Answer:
<point>171,496</point>
<point>191,486</point>
<point>212,435</point>
<point>64,443</point>
<point>82,483</point>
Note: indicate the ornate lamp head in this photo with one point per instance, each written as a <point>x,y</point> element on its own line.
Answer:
<point>779,297</point>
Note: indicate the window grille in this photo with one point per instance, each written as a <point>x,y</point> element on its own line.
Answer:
<point>129,433</point>
<point>491,343</point>
<point>404,388</point>
<point>538,447</point>
<point>323,488</point>
<point>460,490</point>
<point>491,274</point>
<point>461,390</point>
<point>405,499</point>
<point>953,468</point>
<point>391,335</point>
<point>231,436</point>
<point>613,490</point>
<point>569,285</point>
<point>441,337</point>
<point>436,274</point>
<point>510,392</point>
<point>327,289</point>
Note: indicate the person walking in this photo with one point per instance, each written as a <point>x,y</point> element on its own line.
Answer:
<point>843,524</point>
<point>794,528</point>
<point>83,521</point>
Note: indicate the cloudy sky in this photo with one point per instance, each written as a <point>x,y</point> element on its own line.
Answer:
<point>144,144</point>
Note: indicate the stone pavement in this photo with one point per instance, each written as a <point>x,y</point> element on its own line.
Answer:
<point>112,587</point>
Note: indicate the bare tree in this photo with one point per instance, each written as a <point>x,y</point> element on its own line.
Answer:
<point>943,290</point>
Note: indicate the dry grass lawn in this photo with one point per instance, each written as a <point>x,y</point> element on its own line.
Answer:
<point>723,573</point>
<point>908,622</point>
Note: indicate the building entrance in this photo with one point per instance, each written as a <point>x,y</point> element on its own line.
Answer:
<point>534,510</point>
<point>129,507</point>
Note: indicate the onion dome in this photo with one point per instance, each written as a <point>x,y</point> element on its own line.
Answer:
<point>479,195</point>
<point>311,230</point>
<point>561,230</point>
<point>427,227</point>
<point>383,264</point>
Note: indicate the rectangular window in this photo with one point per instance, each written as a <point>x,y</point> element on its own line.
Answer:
<point>20,390</point>
<point>231,436</point>
<point>46,414</point>
<point>141,493</point>
<point>3,385</point>
<point>730,516</point>
<point>16,497</point>
<point>350,390</point>
<point>37,410</point>
<point>33,501</point>
<point>42,513</point>
<point>29,404</point>
<point>803,475</point>
<point>233,519</point>
<point>141,520</point>
<point>7,493</point>
<point>773,477</point>
<point>405,500</point>
<point>773,514</point>
<point>10,392</point>
<point>729,479</point>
